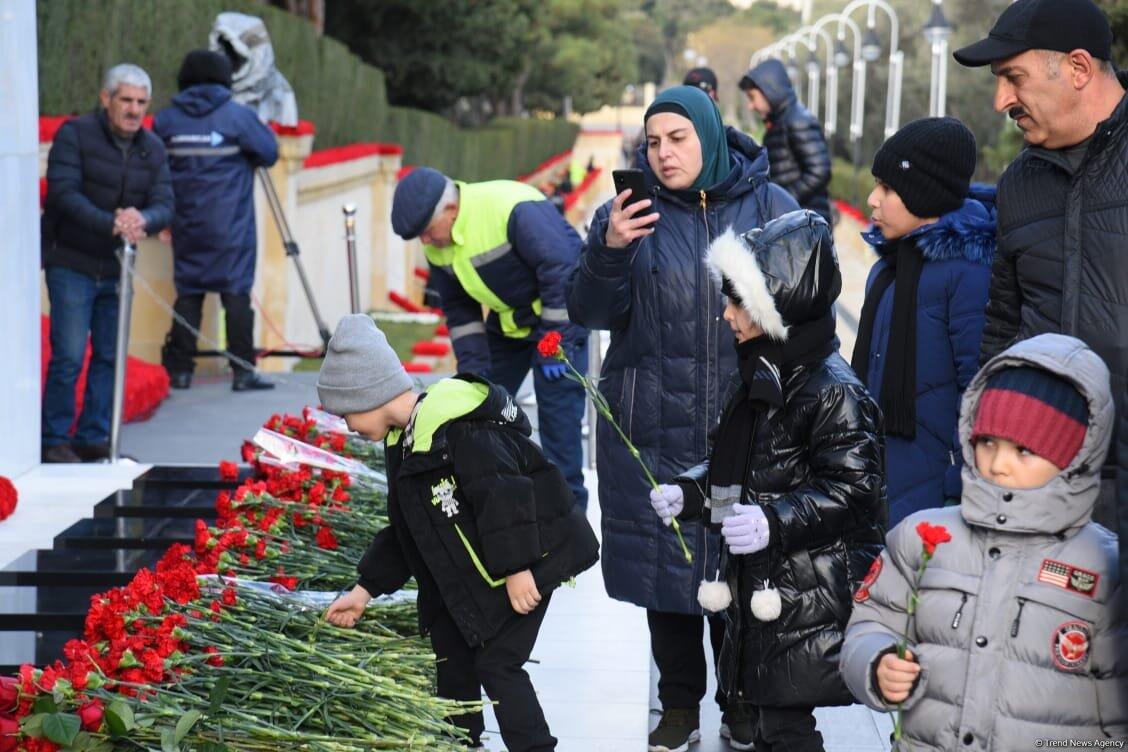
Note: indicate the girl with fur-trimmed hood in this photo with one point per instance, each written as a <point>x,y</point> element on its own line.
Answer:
<point>918,338</point>
<point>794,480</point>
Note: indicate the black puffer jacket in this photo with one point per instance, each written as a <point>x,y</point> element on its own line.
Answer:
<point>88,177</point>
<point>816,467</point>
<point>797,152</point>
<point>471,499</point>
<point>1061,266</point>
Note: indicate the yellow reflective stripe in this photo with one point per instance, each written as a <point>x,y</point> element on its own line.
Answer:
<point>477,562</point>
<point>394,436</point>
<point>509,326</point>
<point>480,235</point>
<point>468,277</point>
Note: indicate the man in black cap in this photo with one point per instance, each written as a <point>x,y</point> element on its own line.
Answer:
<point>214,146</point>
<point>704,79</point>
<point>1061,264</point>
<point>500,245</point>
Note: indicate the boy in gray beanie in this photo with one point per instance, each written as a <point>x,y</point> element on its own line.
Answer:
<point>486,525</point>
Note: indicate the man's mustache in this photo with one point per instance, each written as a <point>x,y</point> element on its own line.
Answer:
<point>1014,113</point>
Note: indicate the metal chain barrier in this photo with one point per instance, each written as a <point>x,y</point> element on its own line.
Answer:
<point>199,335</point>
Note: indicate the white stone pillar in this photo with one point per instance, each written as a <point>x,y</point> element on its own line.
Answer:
<point>19,224</point>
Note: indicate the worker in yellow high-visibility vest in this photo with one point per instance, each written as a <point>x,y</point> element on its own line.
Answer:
<point>502,245</point>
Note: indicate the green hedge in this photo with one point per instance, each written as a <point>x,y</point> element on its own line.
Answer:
<point>344,97</point>
<point>846,187</point>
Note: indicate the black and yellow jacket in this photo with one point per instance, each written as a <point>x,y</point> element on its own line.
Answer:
<point>471,499</point>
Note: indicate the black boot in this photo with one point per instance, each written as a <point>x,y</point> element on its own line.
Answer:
<point>92,452</point>
<point>248,381</point>
<point>60,453</point>
<point>180,379</point>
<point>676,731</point>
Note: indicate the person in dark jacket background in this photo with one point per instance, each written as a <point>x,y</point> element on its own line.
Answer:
<point>918,337</point>
<point>214,146</point>
<point>797,152</point>
<point>669,358</point>
<point>795,479</point>
<point>501,245</point>
<point>107,182</point>
<point>1063,212</point>
<point>484,523</point>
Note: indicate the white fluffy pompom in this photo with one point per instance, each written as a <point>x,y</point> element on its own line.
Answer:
<point>714,595</point>
<point>766,604</point>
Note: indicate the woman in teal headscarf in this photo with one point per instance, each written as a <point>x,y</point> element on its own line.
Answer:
<point>641,275</point>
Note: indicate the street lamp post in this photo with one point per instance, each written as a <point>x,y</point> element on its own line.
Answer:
<point>788,45</point>
<point>836,57</point>
<point>938,31</point>
<point>871,50</point>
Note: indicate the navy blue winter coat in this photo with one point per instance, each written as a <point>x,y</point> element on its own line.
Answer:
<point>951,305</point>
<point>670,358</point>
<point>88,177</point>
<point>214,145</point>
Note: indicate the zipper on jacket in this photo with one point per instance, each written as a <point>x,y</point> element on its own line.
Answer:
<point>1018,616</point>
<point>959,612</point>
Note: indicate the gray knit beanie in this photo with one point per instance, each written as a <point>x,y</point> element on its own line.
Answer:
<point>361,371</point>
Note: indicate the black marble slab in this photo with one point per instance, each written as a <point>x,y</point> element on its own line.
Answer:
<point>193,476</point>
<point>45,594</point>
<point>158,501</point>
<point>134,533</point>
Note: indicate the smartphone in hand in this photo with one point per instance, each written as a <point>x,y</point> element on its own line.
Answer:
<point>634,180</point>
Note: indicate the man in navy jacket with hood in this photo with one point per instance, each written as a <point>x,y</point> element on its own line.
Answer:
<point>214,145</point>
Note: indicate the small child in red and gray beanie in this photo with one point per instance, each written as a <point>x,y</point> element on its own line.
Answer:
<point>1015,639</point>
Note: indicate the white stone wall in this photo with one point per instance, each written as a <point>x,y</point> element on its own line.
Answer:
<point>19,247</point>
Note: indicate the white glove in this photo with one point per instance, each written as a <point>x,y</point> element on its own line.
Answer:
<point>667,501</point>
<point>746,529</point>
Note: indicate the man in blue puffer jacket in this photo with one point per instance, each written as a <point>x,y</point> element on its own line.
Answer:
<point>214,146</point>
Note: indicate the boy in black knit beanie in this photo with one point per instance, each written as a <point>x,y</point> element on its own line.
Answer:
<point>918,336</point>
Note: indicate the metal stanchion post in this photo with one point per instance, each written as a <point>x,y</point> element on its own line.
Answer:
<point>595,365</point>
<point>350,243</point>
<point>125,306</point>
<point>292,250</point>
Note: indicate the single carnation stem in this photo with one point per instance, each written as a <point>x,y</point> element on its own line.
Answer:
<point>590,389</point>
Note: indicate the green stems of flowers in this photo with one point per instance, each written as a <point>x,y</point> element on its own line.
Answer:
<point>604,410</point>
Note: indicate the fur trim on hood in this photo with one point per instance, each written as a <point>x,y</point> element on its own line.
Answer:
<point>785,273</point>
<point>967,233</point>
<point>729,258</point>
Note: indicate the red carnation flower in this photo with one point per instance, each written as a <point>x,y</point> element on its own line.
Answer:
<point>8,498</point>
<point>9,735</point>
<point>549,346</point>
<point>91,715</point>
<point>228,471</point>
<point>932,536</point>
<point>9,693</point>
<point>326,539</point>
<point>216,659</point>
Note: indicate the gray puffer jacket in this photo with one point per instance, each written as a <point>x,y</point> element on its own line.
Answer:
<point>1015,628</point>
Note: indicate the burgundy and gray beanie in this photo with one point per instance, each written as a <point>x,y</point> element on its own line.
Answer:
<point>1035,409</point>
